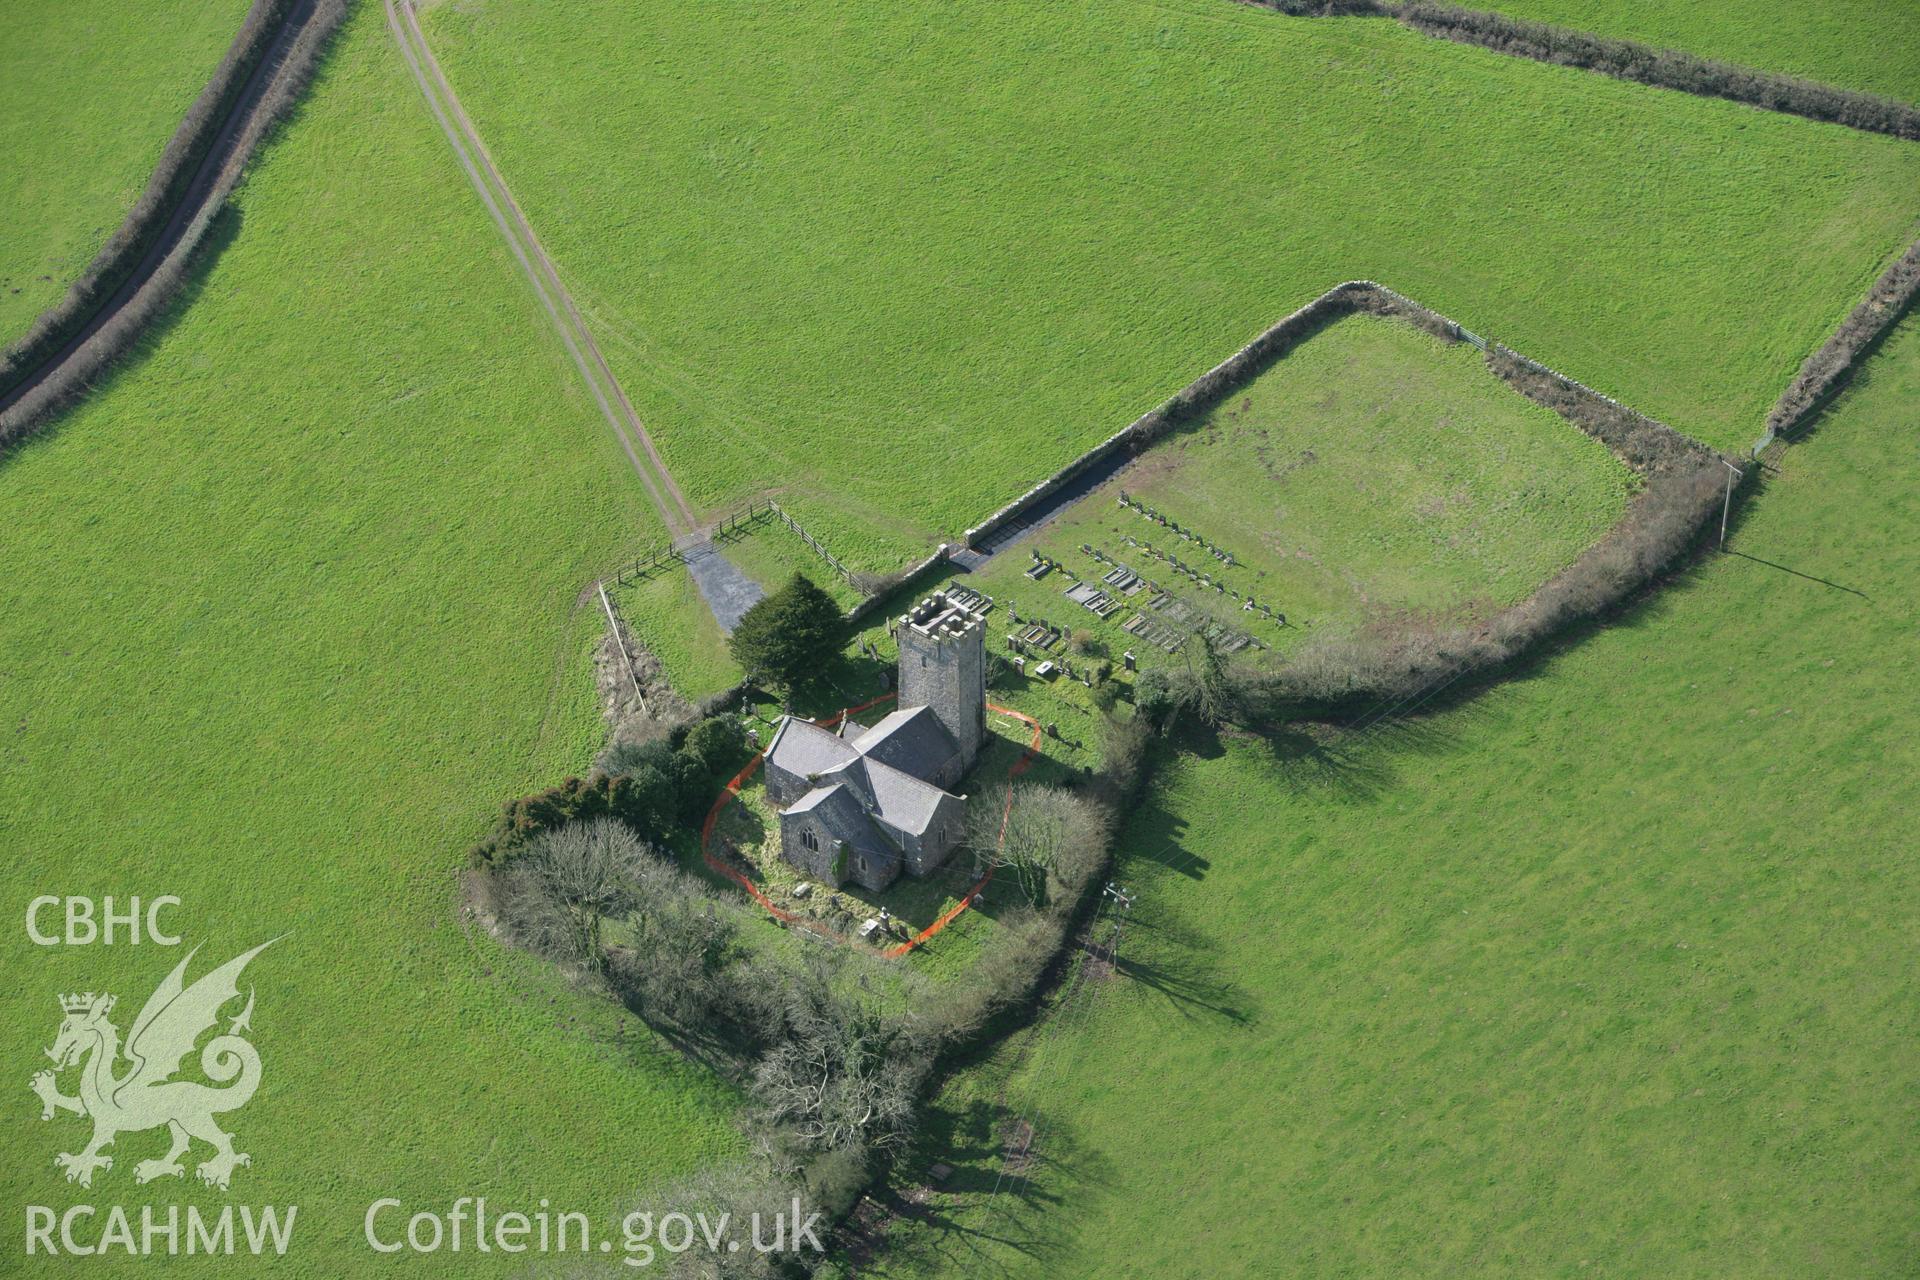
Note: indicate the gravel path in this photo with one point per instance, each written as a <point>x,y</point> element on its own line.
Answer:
<point>727,591</point>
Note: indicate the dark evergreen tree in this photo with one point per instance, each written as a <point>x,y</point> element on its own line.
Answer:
<point>788,637</point>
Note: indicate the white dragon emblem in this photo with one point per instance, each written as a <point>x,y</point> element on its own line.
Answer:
<point>145,1095</point>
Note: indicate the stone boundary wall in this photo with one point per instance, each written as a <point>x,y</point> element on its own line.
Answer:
<point>1156,422</point>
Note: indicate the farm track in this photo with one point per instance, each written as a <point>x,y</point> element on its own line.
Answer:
<point>205,194</point>
<point>539,270</point>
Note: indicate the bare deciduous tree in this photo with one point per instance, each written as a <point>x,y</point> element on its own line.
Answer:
<point>844,1074</point>
<point>1048,838</point>
<point>570,882</point>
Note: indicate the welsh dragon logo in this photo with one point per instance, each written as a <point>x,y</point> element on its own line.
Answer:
<point>145,1095</point>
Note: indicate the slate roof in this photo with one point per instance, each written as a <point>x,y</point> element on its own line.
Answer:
<point>843,812</point>
<point>804,748</point>
<point>873,783</point>
<point>911,740</point>
<point>896,799</point>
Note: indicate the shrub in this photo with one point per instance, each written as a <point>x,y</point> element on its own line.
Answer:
<point>1158,697</point>
<point>1006,972</point>
<point>568,882</point>
<point>631,757</point>
<point>719,743</point>
<point>575,800</point>
<point>839,1072</point>
<point>674,964</point>
<point>734,1193</point>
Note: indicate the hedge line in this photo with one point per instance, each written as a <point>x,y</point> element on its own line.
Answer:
<point>1666,68</point>
<point>1827,369</point>
<point>1684,487</point>
<point>1626,60</point>
<point>1683,484</point>
<point>181,165</point>
<point>179,161</point>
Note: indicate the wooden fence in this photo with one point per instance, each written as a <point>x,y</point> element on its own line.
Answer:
<point>735,524</point>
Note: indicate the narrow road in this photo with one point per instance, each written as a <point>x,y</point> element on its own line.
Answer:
<point>492,189</point>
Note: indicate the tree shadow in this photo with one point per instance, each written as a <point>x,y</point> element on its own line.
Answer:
<point>1013,1171</point>
<point>1191,986</point>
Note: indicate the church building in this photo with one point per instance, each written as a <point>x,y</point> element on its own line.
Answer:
<point>864,804</point>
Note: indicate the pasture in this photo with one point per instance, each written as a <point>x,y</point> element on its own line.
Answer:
<point>1603,972</point>
<point>90,91</point>
<point>1869,45</point>
<point>1371,472</point>
<point>895,263</point>
<point>289,609</point>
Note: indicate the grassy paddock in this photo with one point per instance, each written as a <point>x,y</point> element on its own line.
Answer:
<point>1871,45</point>
<point>1604,972</point>
<point>900,261</point>
<point>90,91</point>
<point>289,609</point>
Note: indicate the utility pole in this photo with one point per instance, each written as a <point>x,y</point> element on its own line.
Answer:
<point>1726,502</point>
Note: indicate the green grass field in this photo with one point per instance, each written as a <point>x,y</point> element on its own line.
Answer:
<point>898,262</point>
<point>289,609</point>
<point>1606,972</point>
<point>90,91</point>
<point>1872,45</point>
<point>1372,471</point>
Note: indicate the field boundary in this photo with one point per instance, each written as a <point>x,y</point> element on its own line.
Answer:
<point>186,153</point>
<point>1826,372</point>
<point>70,351</point>
<point>1623,59</point>
<point>1685,484</point>
<point>1270,344</point>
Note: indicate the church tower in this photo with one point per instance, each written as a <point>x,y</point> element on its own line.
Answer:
<point>943,666</point>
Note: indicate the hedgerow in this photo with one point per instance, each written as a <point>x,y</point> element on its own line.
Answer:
<point>1666,68</point>
<point>180,167</point>
<point>1626,60</point>
<point>179,161</point>
<point>1826,369</point>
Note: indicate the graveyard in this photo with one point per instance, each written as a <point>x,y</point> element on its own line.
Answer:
<point>1374,473</point>
<point>400,399</point>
